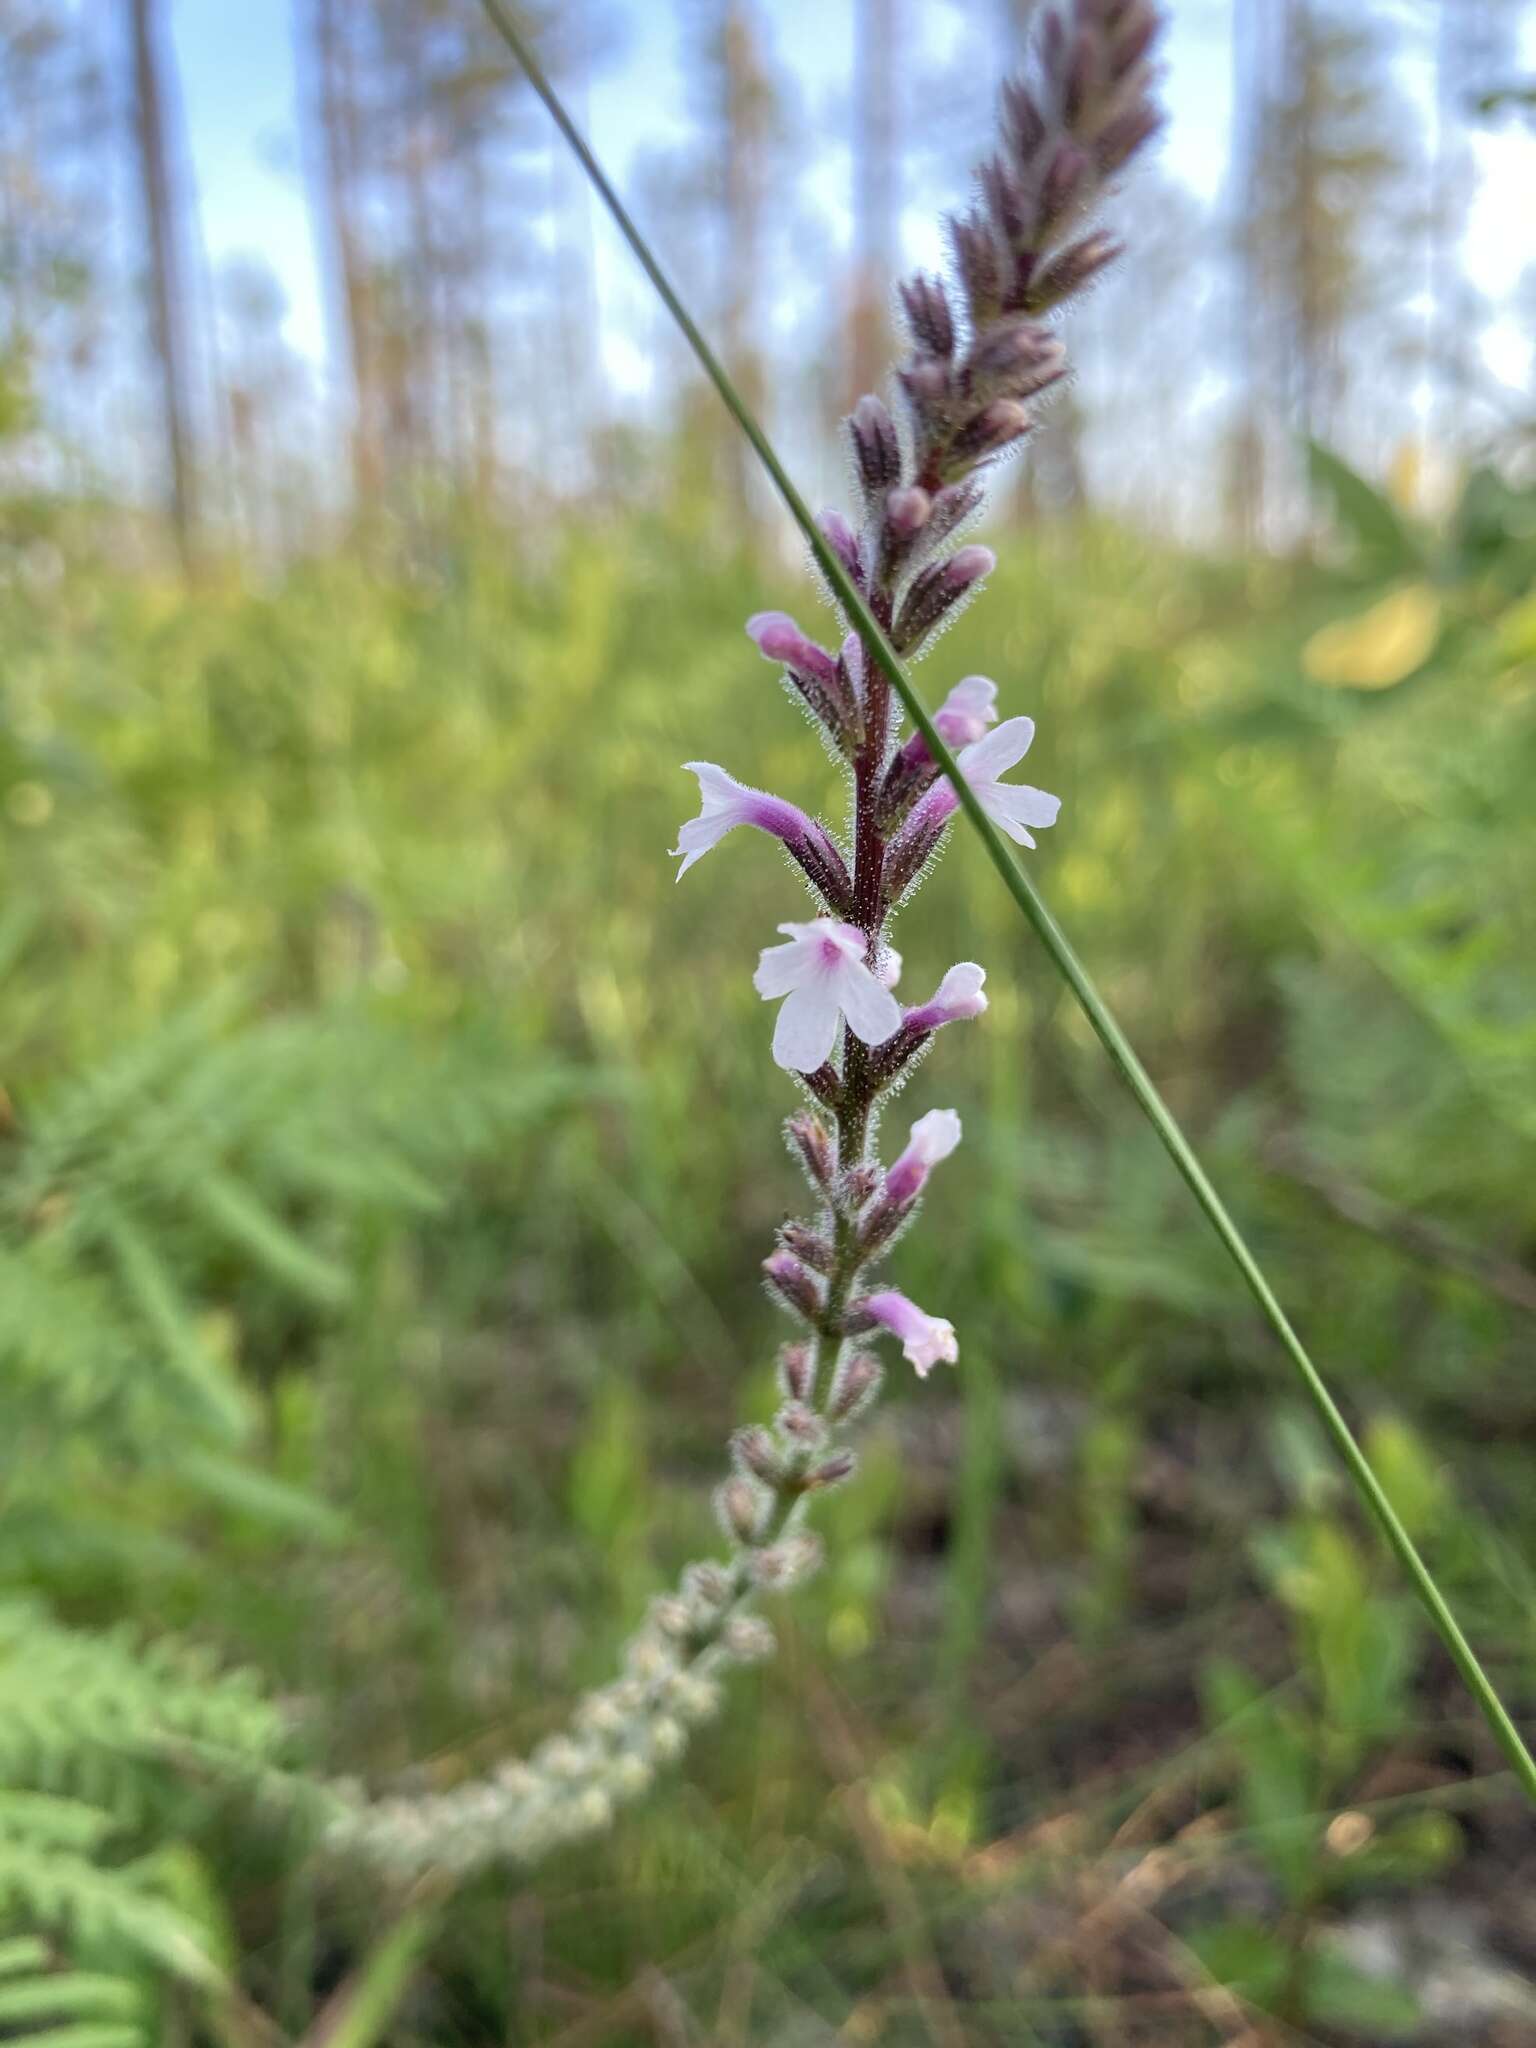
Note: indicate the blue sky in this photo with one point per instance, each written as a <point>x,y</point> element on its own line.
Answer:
<point>238,84</point>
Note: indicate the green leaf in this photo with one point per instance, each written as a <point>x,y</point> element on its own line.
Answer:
<point>1340,1995</point>
<point>1385,545</point>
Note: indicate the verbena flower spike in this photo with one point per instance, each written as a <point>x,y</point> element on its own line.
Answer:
<point>978,355</point>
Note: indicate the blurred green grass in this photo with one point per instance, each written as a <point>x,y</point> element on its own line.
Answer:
<point>344,962</point>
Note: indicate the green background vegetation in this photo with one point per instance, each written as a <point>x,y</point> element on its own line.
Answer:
<point>388,1149</point>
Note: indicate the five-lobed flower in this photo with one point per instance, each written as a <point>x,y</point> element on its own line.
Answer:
<point>822,976</point>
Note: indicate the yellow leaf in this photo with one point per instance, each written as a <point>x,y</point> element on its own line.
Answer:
<point>1379,646</point>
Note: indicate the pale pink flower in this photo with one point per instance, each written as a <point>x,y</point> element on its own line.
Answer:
<point>822,976</point>
<point>933,1138</point>
<point>1012,806</point>
<point>959,994</point>
<point>967,711</point>
<point>728,803</point>
<point>926,1340</point>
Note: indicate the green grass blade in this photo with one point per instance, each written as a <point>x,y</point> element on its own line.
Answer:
<point>1030,901</point>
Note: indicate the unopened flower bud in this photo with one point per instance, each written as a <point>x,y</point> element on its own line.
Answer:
<point>706,1584</point>
<point>788,1563</point>
<point>756,1453</point>
<point>649,1659</point>
<point>599,1715</point>
<point>1071,270</point>
<point>855,1385</point>
<point>857,1185</point>
<point>1137,32</point>
<point>740,1507</point>
<point>793,1285</point>
<point>778,638</point>
<point>797,1372</point>
<point>1016,360</point>
<point>977,260</point>
<point>996,427</point>
<point>748,1639</point>
<point>667,1740</point>
<point>959,995</point>
<point>811,1142</point>
<point>1064,184</point>
<point>1025,123</point>
<point>928,315</point>
<point>1121,139</point>
<point>843,541</point>
<point>937,590</point>
<point>591,1812</point>
<point>808,1245</point>
<point>672,1617</point>
<point>800,1426</point>
<point>561,1758</point>
<point>692,1698</point>
<point>832,1472</point>
<point>934,1137</point>
<point>967,566</point>
<point>906,512</point>
<point>630,1775</point>
<point>876,448</point>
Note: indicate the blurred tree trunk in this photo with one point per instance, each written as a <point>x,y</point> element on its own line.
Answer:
<point>153,98</point>
<point>876,193</point>
<point>335,116</point>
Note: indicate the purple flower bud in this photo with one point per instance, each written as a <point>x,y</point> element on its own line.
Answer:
<point>1081,76</point>
<point>928,315</point>
<point>811,1142</point>
<point>797,1372</point>
<point>808,1245</point>
<point>988,432</point>
<point>741,1508</point>
<point>843,541</point>
<point>906,512</point>
<point>858,1184</point>
<point>1133,40</point>
<point>1016,357</point>
<point>1025,123</point>
<point>779,639</point>
<point>1123,136</point>
<point>937,590</point>
<point>840,1466</point>
<point>856,1384</point>
<point>788,1563</point>
<point>793,1285</point>
<point>977,259</point>
<point>1064,185</point>
<point>876,447</point>
<point>1071,271</point>
<point>1006,201</point>
<point>968,566</point>
<point>967,711</point>
<point>755,1451</point>
<point>800,1426</point>
<point>960,994</point>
